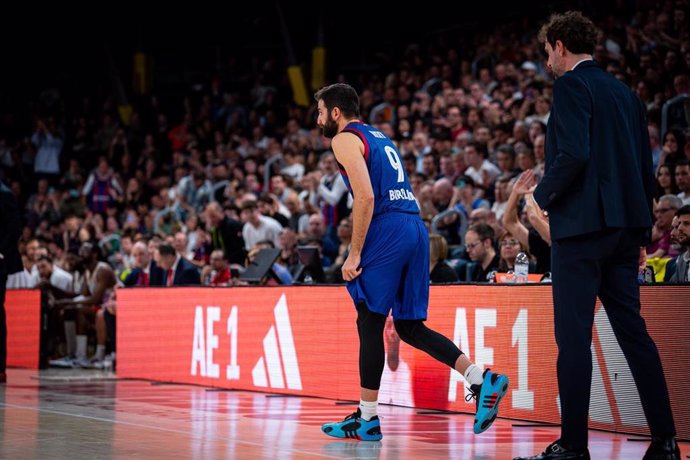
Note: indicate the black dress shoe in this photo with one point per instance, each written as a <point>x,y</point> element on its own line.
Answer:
<point>556,451</point>
<point>662,449</point>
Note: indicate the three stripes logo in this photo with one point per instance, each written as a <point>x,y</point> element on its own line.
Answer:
<point>278,367</point>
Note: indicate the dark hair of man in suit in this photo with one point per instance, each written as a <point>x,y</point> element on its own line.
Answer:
<point>166,250</point>
<point>578,33</point>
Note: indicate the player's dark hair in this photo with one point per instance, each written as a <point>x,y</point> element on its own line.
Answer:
<point>342,96</point>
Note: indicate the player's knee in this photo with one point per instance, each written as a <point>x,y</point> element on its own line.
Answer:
<point>407,330</point>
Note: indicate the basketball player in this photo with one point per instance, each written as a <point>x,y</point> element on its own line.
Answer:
<point>388,264</point>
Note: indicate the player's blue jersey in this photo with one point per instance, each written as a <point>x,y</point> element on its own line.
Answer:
<point>392,190</point>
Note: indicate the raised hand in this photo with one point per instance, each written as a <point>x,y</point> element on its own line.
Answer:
<point>526,183</point>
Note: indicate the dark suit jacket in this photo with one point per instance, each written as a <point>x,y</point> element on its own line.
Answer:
<point>156,275</point>
<point>10,230</point>
<point>598,171</point>
<point>228,237</point>
<point>676,269</point>
<point>186,274</point>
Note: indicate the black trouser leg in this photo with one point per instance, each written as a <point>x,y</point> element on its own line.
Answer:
<point>3,318</point>
<point>620,296</point>
<point>110,328</point>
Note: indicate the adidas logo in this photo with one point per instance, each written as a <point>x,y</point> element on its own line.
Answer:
<point>280,358</point>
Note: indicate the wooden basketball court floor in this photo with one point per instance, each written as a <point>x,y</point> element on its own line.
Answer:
<point>58,414</point>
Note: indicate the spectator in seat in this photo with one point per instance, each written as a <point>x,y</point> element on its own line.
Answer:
<point>178,271</point>
<point>509,247</point>
<point>317,231</point>
<point>535,240</point>
<point>181,245</point>
<point>480,169</point>
<point>226,233</point>
<point>479,241</point>
<point>664,210</point>
<point>269,206</point>
<point>680,269</point>
<point>501,194</point>
<point>258,227</point>
<point>682,174</point>
<point>439,270</point>
<point>665,181</point>
<point>102,190</point>
<point>218,272</point>
<point>140,272</point>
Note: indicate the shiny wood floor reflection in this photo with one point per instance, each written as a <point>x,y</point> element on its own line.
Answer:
<point>84,414</point>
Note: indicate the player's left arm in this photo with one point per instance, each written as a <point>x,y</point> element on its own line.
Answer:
<point>349,151</point>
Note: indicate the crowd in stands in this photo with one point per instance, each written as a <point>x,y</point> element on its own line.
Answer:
<point>157,199</point>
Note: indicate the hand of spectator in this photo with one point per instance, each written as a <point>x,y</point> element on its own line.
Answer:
<point>457,196</point>
<point>525,184</point>
<point>642,261</point>
<point>449,220</point>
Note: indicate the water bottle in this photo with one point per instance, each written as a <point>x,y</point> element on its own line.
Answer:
<point>521,267</point>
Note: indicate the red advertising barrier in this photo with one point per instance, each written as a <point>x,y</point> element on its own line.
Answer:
<point>23,308</point>
<point>302,340</point>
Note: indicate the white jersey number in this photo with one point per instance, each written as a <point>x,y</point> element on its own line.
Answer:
<point>395,162</point>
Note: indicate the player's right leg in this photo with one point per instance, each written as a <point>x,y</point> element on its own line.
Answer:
<point>365,427</point>
<point>487,388</point>
<point>410,310</point>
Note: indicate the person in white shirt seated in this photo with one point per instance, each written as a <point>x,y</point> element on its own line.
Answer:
<point>258,227</point>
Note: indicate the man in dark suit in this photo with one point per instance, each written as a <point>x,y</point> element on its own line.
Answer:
<point>178,270</point>
<point>10,260</point>
<point>226,234</point>
<point>597,189</point>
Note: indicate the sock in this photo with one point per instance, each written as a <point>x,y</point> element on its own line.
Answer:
<point>368,409</point>
<point>71,337</point>
<point>81,346</point>
<point>100,352</point>
<point>473,375</point>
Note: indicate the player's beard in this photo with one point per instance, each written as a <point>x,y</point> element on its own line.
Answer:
<point>330,128</point>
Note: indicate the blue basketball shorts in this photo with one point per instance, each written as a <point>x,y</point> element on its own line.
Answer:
<point>395,267</point>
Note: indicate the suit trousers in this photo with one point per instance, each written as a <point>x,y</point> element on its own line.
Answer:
<point>3,317</point>
<point>603,264</point>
